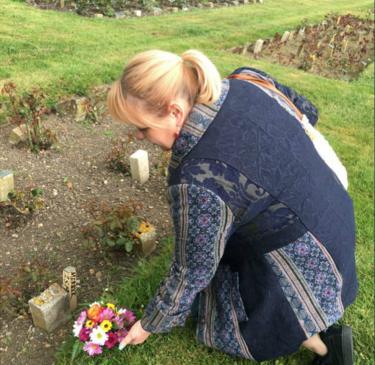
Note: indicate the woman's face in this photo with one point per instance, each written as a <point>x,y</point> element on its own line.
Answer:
<point>172,124</point>
<point>161,137</point>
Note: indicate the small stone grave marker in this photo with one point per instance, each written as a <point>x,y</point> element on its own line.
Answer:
<point>51,308</point>
<point>81,107</point>
<point>258,46</point>
<point>301,33</point>
<point>119,14</point>
<point>139,166</point>
<point>6,184</point>
<point>70,285</point>
<point>285,37</point>
<point>244,50</point>
<point>147,239</point>
<point>18,135</point>
<point>137,12</point>
<point>157,11</point>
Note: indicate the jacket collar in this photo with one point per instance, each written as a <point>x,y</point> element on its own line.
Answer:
<point>198,120</point>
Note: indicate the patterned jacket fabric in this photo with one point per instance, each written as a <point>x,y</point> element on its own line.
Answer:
<point>263,278</point>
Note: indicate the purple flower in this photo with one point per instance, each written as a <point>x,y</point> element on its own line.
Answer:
<point>112,340</point>
<point>128,317</point>
<point>84,334</point>
<point>121,334</point>
<point>119,321</point>
<point>92,349</point>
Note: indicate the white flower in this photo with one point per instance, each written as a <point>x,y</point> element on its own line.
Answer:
<point>98,336</point>
<point>76,329</point>
<point>95,303</point>
<point>121,311</point>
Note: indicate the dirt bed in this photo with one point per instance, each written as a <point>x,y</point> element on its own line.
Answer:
<point>340,47</point>
<point>34,254</point>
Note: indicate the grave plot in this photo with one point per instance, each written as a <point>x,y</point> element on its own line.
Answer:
<point>339,47</point>
<point>45,211</point>
<point>121,9</point>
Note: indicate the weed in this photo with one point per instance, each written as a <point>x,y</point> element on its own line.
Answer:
<point>114,227</point>
<point>29,109</point>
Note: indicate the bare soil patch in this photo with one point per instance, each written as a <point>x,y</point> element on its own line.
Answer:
<point>35,250</point>
<point>340,47</point>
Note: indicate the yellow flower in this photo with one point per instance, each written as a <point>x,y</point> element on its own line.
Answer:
<point>89,324</point>
<point>111,306</point>
<point>144,227</point>
<point>106,325</point>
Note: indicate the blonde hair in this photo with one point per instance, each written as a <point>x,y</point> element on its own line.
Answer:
<point>158,77</point>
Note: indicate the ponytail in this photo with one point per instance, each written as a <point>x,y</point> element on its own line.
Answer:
<point>208,80</point>
<point>157,78</point>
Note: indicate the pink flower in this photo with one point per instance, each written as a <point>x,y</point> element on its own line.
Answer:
<point>92,349</point>
<point>119,321</point>
<point>84,334</point>
<point>121,334</point>
<point>82,317</point>
<point>106,314</point>
<point>112,340</point>
<point>128,317</point>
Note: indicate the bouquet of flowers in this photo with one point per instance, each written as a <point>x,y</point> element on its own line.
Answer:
<point>102,326</point>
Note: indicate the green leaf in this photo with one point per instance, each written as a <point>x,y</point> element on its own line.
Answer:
<point>113,225</point>
<point>75,350</point>
<point>128,246</point>
<point>110,242</point>
<point>132,224</point>
<point>36,192</point>
<point>121,241</point>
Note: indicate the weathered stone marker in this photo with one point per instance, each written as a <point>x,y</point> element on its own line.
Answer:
<point>70,285</point>
<point>51,308</point>
<point>157,11</point>
<point>245,48</point>
<point>81,107</point>
<point>6,184</point>
<point>139,166</point>
<point>119,14</point>
<point>258,46</point>
<point>148,240</point>
<point>18,135</point>
<point>285,37</point>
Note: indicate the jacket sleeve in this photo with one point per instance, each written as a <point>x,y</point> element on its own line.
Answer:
<point>202,223</point>
<point>300,101</point>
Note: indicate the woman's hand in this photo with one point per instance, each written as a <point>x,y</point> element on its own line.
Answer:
<point>136,335</point>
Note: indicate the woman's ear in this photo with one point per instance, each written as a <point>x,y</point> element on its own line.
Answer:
<point>177,113</point>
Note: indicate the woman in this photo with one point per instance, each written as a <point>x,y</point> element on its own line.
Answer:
<point>264,226</point>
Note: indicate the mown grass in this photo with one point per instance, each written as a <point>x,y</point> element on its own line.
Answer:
<point>63,54</point>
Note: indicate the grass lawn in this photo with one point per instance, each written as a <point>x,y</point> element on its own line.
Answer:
<point>65,54</point>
